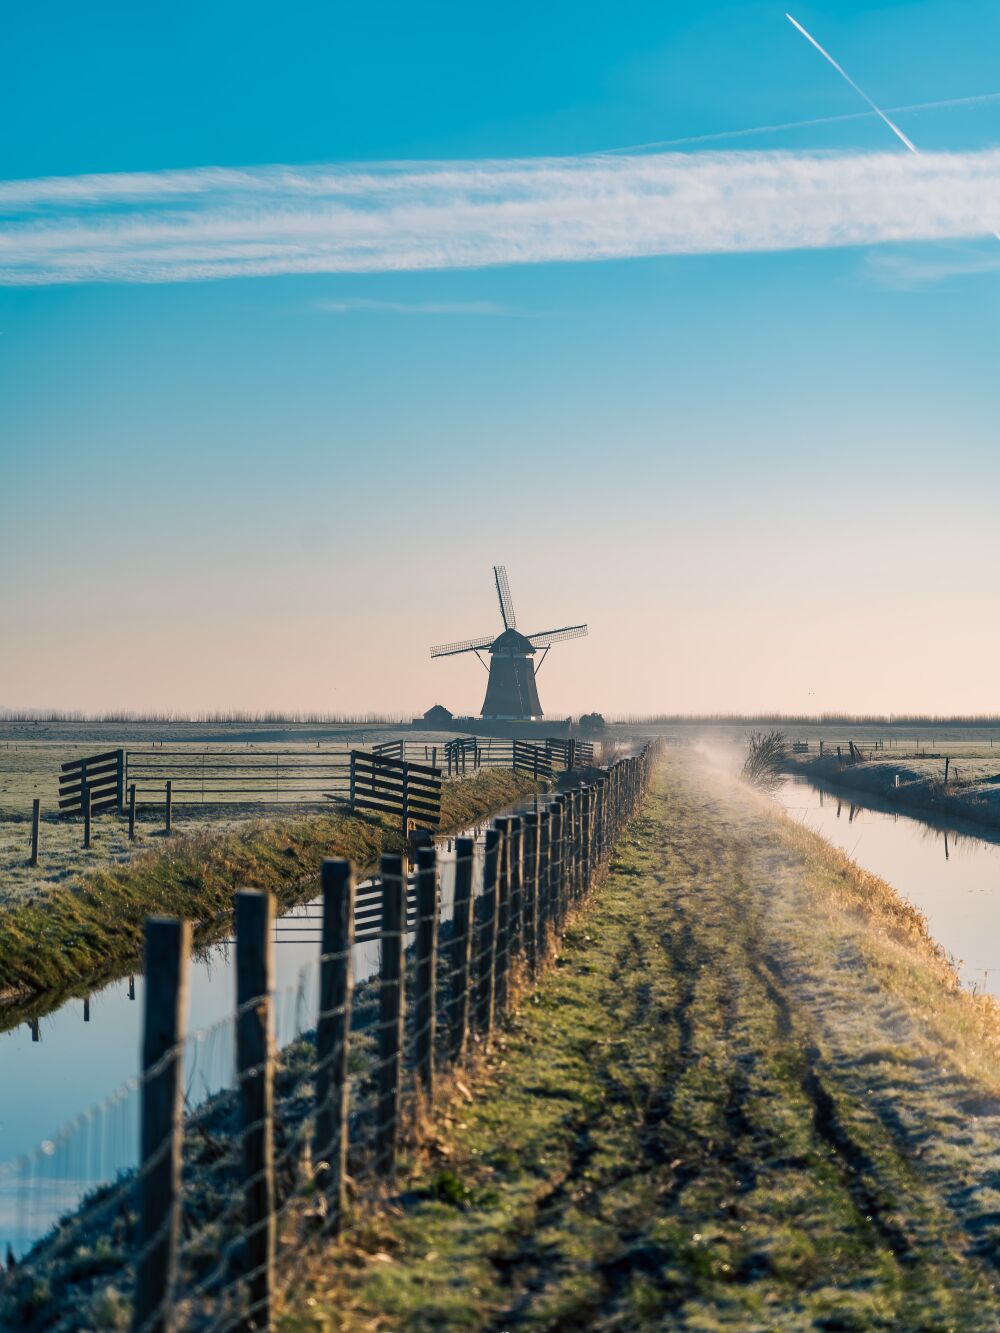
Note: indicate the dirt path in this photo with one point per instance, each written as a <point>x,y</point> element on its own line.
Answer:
<point>736,1103</point>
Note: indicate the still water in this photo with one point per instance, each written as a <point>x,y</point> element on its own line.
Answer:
<point>952,878</point>
<point>64,1095</point>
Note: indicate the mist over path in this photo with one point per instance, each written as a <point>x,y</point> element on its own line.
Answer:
<point>750,1095</point>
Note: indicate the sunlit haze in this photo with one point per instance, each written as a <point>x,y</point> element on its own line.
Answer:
<point>376,304</point>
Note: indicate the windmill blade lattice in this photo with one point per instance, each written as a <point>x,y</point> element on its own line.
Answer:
<point>548,636</point>
<point>463,646</point>
<point>511,692</point>
<point>506,601</point>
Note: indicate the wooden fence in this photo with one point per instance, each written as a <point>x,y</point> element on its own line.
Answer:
<point>355,1087</point>
<point>405,782</point>
<point>384,785</point>
<point>460,755</point>
<point>570,753</point>
<point>238,777</point>
<point>99,778</point>
<point>527,758</point>
<point>299,1137</point>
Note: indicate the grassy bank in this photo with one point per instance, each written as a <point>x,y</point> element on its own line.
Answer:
<point>89,929</point>
<point>971,794</point>
<point>751,1096</point>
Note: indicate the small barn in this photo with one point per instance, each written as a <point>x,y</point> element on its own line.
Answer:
<point>438,716</point>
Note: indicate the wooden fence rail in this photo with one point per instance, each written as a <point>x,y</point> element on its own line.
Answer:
<point>219,1231</point>
<point>99,777</point>
<point>406,791</point>
<point>238,777</point>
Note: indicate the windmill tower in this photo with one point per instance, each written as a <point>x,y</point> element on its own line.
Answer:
<point>511,692</point>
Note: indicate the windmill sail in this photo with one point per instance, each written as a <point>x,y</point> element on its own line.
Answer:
<point>511,692</point>
<point>549,636</point>
<point>503,593</point>
<point>463,646</point>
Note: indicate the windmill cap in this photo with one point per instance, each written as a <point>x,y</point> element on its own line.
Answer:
<point>512,641</point>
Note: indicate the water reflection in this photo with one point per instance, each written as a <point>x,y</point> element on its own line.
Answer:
<point>54,1068</point>
<point>952,877</point>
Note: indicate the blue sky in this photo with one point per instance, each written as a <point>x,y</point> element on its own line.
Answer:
<point>764,477</point>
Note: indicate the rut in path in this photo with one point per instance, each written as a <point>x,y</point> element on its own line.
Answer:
<point>724,1108</point>
<point>722,998</point>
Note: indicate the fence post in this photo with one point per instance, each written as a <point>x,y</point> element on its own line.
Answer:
<point>170,803</point>
<point>255,1076</point>
<point>36,813</point>
<point>503,916</point>
<point>351,796</point>
<point>588,831</point>
<point>542,882</point>
<point>567,856</point>
<point>168,944</point>
<point>529,890</point>
<point>333,1027</point>
<point>555,864</point>
<point>131,812</point>
<point>516,885</point>
<point>579,843</point>
<point>461,948</point>
<point>487,955</point>
<point>425,970</point>
<point>573,843</point>
<point>120,784</point>
<point>602,796</point>
<point>87,809</point>
<point>406,800</point>
<point>390,1037</point>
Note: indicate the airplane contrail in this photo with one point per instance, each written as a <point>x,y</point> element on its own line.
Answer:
<point>908,143</point>
<point>946,103</point>
<point>860,91</point>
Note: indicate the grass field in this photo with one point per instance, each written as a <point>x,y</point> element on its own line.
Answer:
<point>750,1096</point>
<point>91,927</point>
<point>31,755</point>
<point>955,781</point>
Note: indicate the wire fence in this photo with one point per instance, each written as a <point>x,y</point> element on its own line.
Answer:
<point>265,1135</point>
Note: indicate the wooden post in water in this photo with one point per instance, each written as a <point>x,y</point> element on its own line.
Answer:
<point>158,1183</point>
<point>131,812</point>
<point>390,1036</point>
<point>461,949</point>
<point>333,1027</point>
<point>255,1077</point>
<point>36,814</point>
<point>425,969</point>
<point>487,951</point>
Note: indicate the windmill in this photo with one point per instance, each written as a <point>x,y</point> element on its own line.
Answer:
<point>511,692</point>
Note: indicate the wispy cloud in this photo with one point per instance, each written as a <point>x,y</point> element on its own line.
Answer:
<point>216,223</point>
<point>922,268</point>
<point>349,305</point>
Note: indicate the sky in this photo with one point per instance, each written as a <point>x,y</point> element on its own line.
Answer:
<point>311,314</point>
